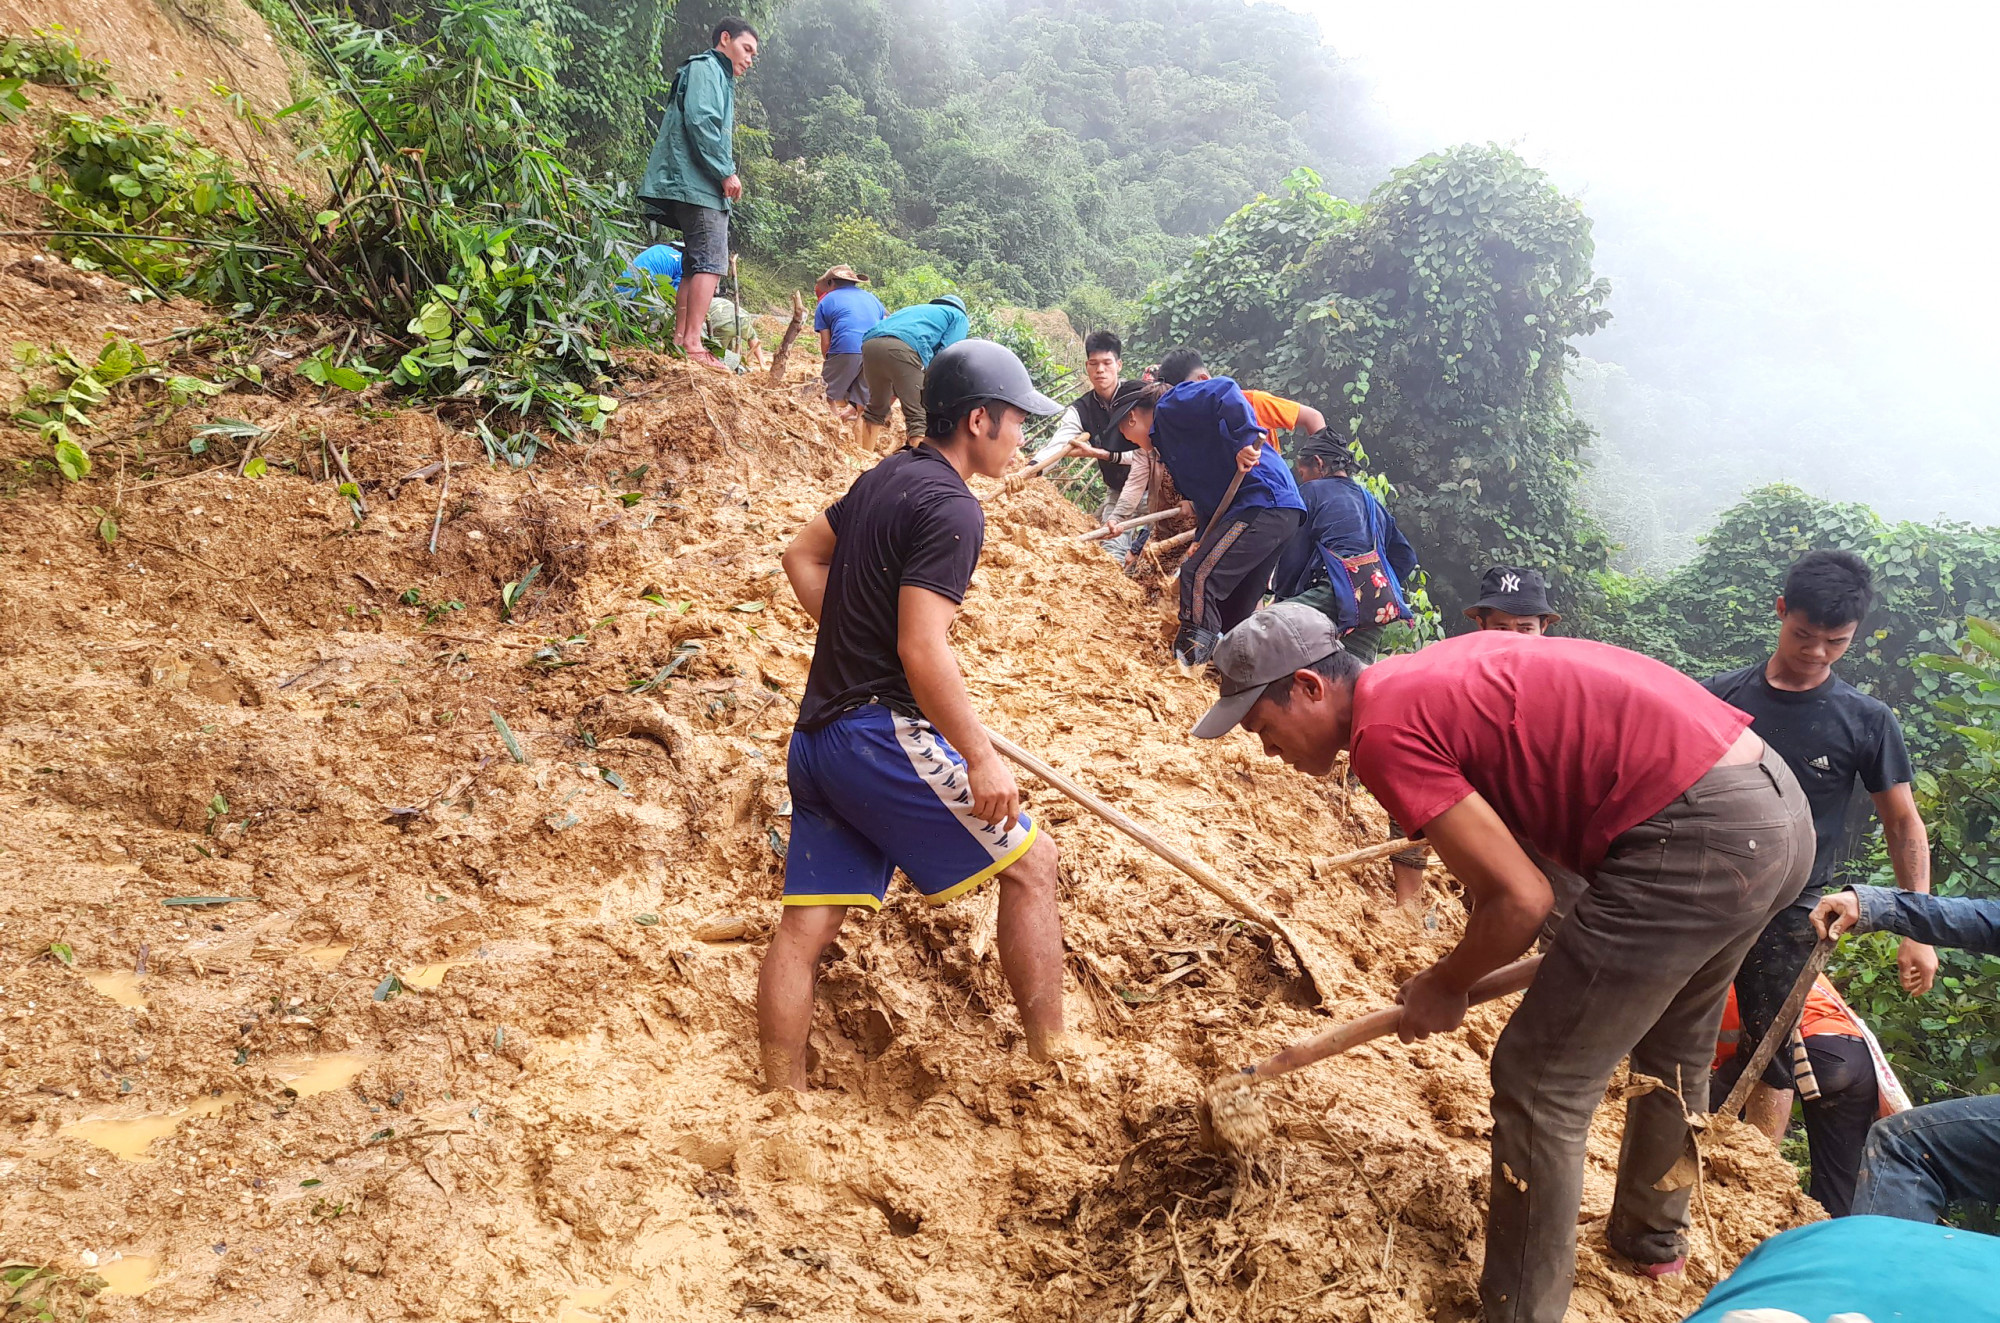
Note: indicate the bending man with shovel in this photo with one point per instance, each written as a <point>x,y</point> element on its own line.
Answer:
<point>1690,833</point>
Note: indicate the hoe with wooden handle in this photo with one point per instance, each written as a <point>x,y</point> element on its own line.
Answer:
<point>1231,1118</point>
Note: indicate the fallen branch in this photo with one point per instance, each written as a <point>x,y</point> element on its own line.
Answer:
<point>1368,854</point>
<point>443,487</point>
<point>791,333</point>
<point>347,473</point>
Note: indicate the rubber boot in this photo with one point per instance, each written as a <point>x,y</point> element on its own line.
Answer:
<point>1193,646</point>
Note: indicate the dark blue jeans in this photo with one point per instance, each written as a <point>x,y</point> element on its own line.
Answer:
<point>1916,1162</point>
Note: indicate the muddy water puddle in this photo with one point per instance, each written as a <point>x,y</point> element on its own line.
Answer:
<point>307,1076</point>
<point>578,1306</point>
<point>130,1275</point>
<point>326,957</point>
<point>130,1137</point>
<point>429,976</point>
<point>120,985</point>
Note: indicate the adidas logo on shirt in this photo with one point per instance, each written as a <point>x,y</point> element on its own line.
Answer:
<point>1819,764</point>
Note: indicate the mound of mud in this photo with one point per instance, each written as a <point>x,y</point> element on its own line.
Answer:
<point>468,1032</point>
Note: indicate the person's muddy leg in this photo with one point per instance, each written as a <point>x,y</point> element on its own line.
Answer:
<point>1030,941</point>
<point>785,990</point>
<point>696,293</point>
<point>1409,879</point>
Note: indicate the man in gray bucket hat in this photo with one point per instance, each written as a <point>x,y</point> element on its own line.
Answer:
<point>1689,834</point>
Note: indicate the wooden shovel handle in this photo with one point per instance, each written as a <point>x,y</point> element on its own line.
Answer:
<point>1376,1024</point>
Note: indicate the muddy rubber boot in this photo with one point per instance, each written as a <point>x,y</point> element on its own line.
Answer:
<point>1193,647</point>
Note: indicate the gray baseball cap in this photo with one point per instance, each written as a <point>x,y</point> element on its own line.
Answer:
<point>1265,648</point>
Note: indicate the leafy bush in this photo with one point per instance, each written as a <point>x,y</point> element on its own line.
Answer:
<point>116,176</point>
<point>50,59</point>
<point>1436,322</point>
<point>1947,1043</point>
<point>58,411</point>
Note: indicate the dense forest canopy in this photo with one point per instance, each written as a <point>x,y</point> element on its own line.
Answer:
<point>1053,152</point>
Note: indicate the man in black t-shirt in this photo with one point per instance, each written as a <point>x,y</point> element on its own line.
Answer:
<point>889,767</point>
<point>1830,734</point>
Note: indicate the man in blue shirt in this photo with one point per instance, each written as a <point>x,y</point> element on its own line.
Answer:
<point>658,265</point>
<point>1207,434</point>
<point>894,353</point>
<point>1916,1162</point>
<point>845,313</point>
<point>1348,553</point>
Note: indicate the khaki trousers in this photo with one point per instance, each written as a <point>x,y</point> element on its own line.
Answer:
<point>891,370</point>
<point>1640,966</point>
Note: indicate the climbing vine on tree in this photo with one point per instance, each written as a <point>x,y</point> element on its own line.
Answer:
<point>1436,320</point>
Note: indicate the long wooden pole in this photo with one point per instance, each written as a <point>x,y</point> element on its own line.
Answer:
<point>1780,1030</point>
<point>1325,979</point>
<point>1367,854</point>
<point>1117,526</point>
<point>1018,479</point>
<point>1377,1024</point>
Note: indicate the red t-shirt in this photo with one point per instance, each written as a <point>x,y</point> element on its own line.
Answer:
<point>1571,742</point>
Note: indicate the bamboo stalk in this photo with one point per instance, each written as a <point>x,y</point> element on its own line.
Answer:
<point>1117,526</point>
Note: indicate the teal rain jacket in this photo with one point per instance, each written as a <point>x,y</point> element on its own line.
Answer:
<point>694,153</point>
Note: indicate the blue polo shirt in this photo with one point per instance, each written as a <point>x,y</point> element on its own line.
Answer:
<point>661,262</point>
<point>1197,430</point>
<point>924,327</point>
<point>847,312</point>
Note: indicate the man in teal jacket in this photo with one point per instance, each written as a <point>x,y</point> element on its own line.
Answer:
<point>691,177</point>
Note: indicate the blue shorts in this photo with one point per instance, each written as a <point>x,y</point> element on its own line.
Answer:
<point>874,791</point>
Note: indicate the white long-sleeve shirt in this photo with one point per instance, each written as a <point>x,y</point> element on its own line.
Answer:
<point>1068,428</point>
<point>1137,483</point>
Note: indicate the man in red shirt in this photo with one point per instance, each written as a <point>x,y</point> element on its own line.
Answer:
<point>1688,830</point>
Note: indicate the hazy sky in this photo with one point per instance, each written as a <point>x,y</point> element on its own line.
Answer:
<point>1859,138</point>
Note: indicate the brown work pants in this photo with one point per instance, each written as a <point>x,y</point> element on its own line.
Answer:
<point>1640,966</point>
<point>891,370</point>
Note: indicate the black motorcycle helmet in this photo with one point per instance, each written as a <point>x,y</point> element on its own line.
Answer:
<point>967,374</point>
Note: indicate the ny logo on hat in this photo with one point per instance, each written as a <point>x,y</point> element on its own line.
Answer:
<point>1510,583</point>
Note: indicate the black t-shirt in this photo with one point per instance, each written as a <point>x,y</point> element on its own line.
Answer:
<point>1095,415</point>
<point>909,520</point>
<point>1828,736</point>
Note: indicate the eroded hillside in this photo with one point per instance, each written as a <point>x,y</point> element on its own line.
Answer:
<point>474,1037</point>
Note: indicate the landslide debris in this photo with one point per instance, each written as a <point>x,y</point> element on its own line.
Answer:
<point>472,1036</point>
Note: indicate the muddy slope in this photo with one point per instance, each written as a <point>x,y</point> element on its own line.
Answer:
<point>474,1037</point>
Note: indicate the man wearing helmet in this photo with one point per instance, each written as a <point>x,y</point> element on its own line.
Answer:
<point>889,766</point>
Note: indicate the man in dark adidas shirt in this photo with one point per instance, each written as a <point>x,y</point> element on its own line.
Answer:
<point>1830,734</point>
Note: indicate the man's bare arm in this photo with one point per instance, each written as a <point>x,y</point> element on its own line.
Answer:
<point>1510,900</point>
<point>808,561</point>
<point>825,343</point>
<point>1311,419</point>
<point>923,627</point>
<point>1909,848</point>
